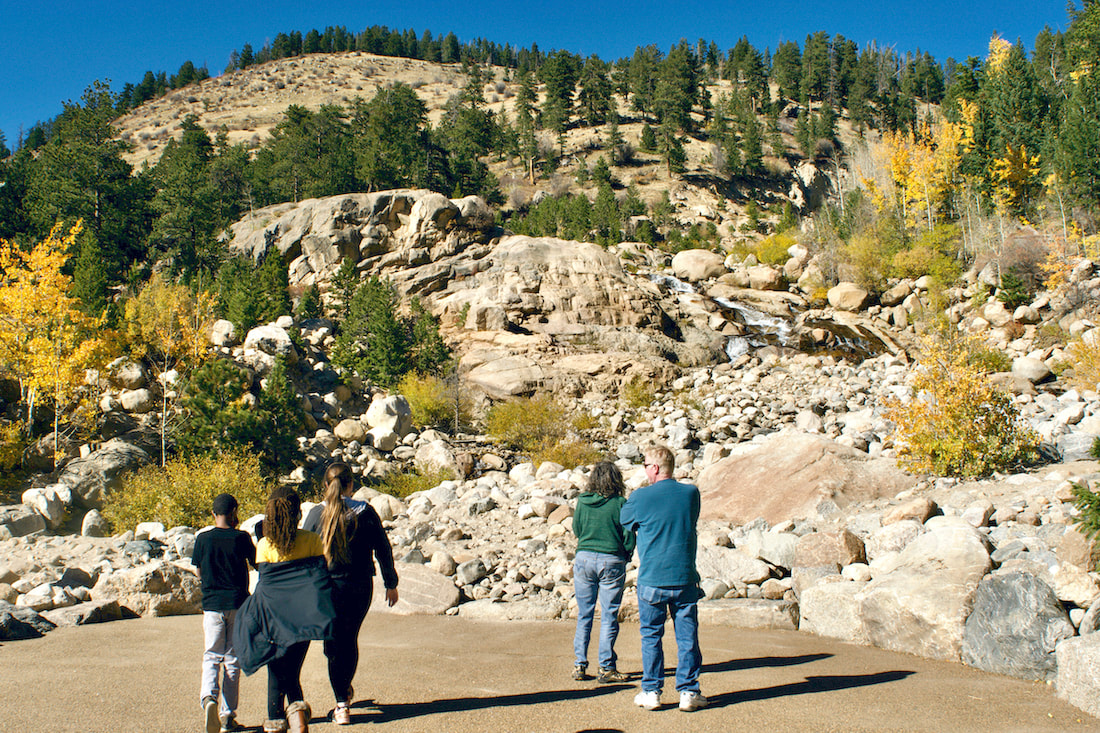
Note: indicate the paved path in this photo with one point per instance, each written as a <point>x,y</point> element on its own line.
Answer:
<point>448,675</point>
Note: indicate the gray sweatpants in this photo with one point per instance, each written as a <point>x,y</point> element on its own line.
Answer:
<point>217,629</point>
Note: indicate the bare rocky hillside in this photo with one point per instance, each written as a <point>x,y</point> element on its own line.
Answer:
<point>247,104</point>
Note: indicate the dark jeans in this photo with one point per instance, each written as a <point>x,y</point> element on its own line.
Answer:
<point>343,650</point>
<point>284,679</point>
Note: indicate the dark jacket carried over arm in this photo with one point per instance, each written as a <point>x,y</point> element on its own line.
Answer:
<point>292,602</point>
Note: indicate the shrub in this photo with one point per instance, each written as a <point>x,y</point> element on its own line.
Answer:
<point>570,453</point>
<point>435,402</point>
<point>1014,291</point>
<point>527,423</point>
<point>12,442</point>
<point>402,484</point>
<point>180,493</point>
<point>1084,357</point>
<point>773,250</point>
<point>959,424</point>
<point>637,392</point>
<point>987,359</point>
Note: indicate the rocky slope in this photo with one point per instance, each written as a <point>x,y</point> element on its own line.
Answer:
<point>772,402</point>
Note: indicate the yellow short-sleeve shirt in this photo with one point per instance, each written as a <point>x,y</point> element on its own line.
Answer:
<point>306,544</point>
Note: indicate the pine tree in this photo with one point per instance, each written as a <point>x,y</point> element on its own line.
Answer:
<point>372,341</point>
<point>309,305</point>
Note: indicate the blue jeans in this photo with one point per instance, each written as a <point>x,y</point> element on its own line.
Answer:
<point>654,606</point>
<point>603,575</point>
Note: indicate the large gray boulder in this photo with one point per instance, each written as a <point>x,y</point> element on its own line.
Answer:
<point>152,589</point>
<point>422,591</point>
<point>730,566</point>
<point>527,609</point>
<point>749,613</point>
<point>392,413</point>
<point>1015,626</point>
<point>272,340</point>
<point>18,622</point>
<point>831,608</point>
<point>694,265</point>
<point>920,604</point>
<point>848,296</point>
<point>20,520</point>
<point>789,476</point>
<point>82,614</point>
<point>1078,678</point>
<point>92,477</point>
<point>504,375</point>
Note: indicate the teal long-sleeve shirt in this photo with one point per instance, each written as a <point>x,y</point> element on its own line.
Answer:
<point>664,515</point>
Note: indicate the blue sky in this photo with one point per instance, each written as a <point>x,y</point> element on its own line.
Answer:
<point>52,51</point>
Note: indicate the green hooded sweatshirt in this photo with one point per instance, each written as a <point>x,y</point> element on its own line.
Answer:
<point>596,525</point>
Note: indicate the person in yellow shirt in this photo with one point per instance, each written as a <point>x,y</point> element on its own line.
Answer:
<point>292,604</point>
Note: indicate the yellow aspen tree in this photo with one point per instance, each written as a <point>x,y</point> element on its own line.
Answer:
<point>169,325</point>
<point>45,339</point>
<point>1017,177</point>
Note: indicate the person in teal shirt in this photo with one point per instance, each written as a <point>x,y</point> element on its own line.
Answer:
<point>599,569</point>
<point>664,515</point>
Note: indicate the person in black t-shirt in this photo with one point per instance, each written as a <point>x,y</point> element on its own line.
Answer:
<point>222,556</point>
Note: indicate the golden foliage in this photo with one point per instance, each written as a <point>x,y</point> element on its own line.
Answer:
<point>1084,357</point>
<point>540,427</point>
<point>924,169</point>
<point>172,320</point>
<point>570,453</point>
<point>526,423</point>
<point>637,392</point>
<point>959,423</point>
<point>1017,177</point>
<point>774,249</point>
<point>45,340</point>
<point>180,492</point>
<point>999,49</point>
<point>404,483</point>
<point>12,442</point>
<point>433,401</point>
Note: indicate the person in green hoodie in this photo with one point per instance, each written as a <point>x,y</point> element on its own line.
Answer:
<point>599,569</point>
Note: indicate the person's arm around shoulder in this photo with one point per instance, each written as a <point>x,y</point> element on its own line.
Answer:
<point>247,548</point>
<point>628,515</point>
<point>629,539</point>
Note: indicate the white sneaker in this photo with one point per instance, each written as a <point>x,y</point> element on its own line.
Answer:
<point>649,700</point>
<point>692,701</point>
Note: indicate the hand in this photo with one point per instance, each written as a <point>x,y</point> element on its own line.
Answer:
<point>391,596</point>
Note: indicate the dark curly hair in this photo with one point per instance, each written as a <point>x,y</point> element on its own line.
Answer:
<point>284,508</point>
<point>606,480</point>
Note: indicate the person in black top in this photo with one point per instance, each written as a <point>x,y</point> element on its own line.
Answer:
<point>222,555</point>
<point>353,537</point>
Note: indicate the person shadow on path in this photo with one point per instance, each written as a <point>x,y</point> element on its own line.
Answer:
<point>401,711</point>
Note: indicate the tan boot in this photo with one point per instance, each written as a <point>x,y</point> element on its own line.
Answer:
<point>297,717</point>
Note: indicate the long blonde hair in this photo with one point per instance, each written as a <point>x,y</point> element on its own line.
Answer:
<point>334,520</point>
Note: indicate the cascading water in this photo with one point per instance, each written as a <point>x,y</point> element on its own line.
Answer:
<point>761,329</point>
